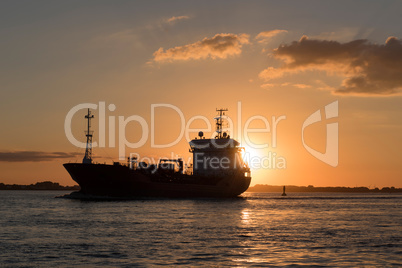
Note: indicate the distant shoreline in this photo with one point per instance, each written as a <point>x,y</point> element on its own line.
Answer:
<point>263,188</point>
<point>312,189</point>
<point>46,185</point>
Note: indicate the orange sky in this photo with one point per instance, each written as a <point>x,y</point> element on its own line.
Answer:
<point>271,59</point>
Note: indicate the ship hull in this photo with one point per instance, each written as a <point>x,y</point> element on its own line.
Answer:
<point>121,181</point>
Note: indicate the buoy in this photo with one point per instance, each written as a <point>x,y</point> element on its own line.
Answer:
<point>284,194</point>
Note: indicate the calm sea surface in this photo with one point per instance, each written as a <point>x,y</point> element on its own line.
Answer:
<point>260,229</point>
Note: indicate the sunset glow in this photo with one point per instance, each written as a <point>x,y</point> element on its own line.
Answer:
<point>273,67</point>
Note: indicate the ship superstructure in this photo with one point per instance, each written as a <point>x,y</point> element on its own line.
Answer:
<point>220,156</point>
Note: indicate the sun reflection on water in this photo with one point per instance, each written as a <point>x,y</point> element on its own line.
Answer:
<point>245,217</point>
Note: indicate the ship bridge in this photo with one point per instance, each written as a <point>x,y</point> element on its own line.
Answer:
<point>217,157</point>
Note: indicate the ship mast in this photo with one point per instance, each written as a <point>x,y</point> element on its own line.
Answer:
<point>88,133</point>
<point>219,122</point>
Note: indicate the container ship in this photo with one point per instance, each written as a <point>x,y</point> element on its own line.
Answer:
<point>218,170</point>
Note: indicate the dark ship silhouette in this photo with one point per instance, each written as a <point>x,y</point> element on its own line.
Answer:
<point>218,170</point>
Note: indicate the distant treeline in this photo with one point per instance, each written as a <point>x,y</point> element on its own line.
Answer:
<point>310,188</point>
<point>46,185</point>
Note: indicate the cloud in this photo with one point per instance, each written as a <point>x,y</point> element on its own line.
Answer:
<point>301,86</point>
<point>345,34</point>
<point>368,68</point>
<point>34,156</point>
<point>174,19</point>
<point>220,46</point>
<point>264,37</point>
<point>268,86</point>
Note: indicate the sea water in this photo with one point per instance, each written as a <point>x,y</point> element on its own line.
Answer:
<point>256,230</point>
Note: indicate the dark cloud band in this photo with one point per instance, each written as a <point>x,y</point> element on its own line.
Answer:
<point>34,156</point>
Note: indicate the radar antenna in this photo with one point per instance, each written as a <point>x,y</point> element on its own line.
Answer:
<point>88,151</point>
<point>219,122</point>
